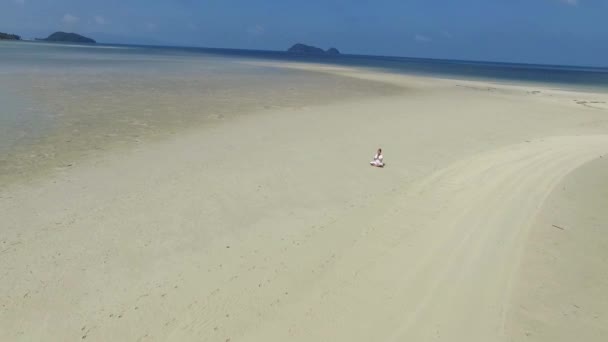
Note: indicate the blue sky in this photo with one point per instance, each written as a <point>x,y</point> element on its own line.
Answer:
<point>535,31</point>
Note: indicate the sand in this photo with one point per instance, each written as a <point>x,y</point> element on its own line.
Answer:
<point>561,293</point>
<point>273,226</point>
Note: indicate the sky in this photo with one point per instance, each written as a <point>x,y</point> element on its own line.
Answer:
<point>570,32</point>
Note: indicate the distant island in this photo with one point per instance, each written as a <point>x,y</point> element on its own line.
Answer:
<point>67,37</point>
<point>304,49</point>
<point>8,36</point>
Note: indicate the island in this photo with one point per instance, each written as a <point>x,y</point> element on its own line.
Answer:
<point>303,49</point>
<point>67,37</point>
<point>8,36</point>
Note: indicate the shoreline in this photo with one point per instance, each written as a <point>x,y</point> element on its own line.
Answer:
<point>371,72</point>
<point>401,83</point>
<point>107,122</point>
<point>399,79</point>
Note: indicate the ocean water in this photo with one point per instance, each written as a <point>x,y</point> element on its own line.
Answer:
<point>63,102</point>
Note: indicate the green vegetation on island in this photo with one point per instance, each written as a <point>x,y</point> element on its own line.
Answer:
<point>8,36</point>
<point>67,37</point>
<point>304,49</point>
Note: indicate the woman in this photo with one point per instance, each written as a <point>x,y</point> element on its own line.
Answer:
<point>378,159</point>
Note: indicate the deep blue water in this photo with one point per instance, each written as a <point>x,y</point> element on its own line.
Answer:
<point>595,78</point>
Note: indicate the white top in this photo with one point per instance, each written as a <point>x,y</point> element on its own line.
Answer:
<point>378,157</point>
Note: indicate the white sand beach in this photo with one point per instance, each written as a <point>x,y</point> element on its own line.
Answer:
<point>273,226</point>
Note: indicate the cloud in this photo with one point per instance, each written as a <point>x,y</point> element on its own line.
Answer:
<point>69,19</point>
<point>20,2</point>
<point>570,2</point>
<point>256,30</point>
<point>99,20</point>
<point>421,38</point>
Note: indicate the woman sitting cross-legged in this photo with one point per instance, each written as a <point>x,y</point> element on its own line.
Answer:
<point>378,160</point>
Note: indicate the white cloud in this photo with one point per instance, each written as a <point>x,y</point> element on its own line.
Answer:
<point>422,38</point>
<point>447,34</point>
<point>256,30</point>
<point>20,2</point>
<point>69,19</point>
<point>570,2</point>
<point>100,20</point>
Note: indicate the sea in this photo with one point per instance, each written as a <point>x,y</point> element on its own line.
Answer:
<point>62,102</point>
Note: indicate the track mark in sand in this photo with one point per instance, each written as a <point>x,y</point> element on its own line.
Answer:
<point>473,246</point>
<point>592,104</point>
<point>438,265</point>
<point>478,88</point>
<point>431,261</point>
